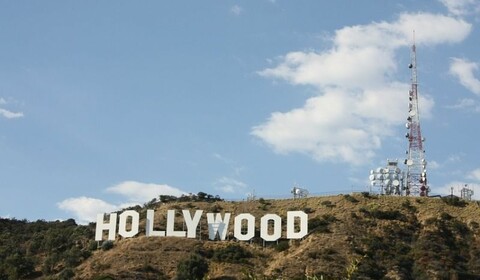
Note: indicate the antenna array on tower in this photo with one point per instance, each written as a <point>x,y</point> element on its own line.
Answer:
<point>393,181</point>
<point>416,181</point>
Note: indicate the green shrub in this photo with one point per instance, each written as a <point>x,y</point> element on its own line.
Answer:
<point>366,194</point>
<point>350,198</point>
<point>387,215</point>
<point>320,224</point>
<point>216,208</point>
<point>308,210</point>
<point>66,274</point>
<point>407,205</point>
<point>92,245</point>
<point>327,203</point>
<point>107,245</point>
<point>282,246</point>
<point>193,268</point>
<point>232,254</point>
<point>454,201</point>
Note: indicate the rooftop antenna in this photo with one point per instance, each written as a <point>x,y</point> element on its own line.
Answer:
<point>416,184</point>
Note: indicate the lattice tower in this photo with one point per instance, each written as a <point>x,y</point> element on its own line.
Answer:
<point>416,183</point>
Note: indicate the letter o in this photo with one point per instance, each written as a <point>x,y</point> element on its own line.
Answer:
<point>250,227</point>
<point>277,227</point>
<point>122,227</point>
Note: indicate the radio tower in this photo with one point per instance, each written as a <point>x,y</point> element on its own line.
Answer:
<point>416,183</point>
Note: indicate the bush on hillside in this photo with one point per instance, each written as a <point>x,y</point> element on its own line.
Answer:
<point>350,198</point>
<point>454,201</point>
<point>232,254</point>
<point>107,245</point>
<point>192,268</point>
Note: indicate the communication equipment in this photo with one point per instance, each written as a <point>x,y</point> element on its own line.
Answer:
<point>466,193</point>
<point>299,192</point>
<point>416,175</point>
<point>389,179</point>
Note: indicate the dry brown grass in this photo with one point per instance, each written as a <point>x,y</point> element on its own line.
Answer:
<point>326,253</point>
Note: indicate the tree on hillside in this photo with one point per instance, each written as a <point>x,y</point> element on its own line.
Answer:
<point>16,266</point>
<point>192,268</point>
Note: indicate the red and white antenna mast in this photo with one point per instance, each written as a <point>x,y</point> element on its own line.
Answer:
<point>416,181</point>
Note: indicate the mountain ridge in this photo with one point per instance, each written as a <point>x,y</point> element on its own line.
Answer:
<point>357,236</point>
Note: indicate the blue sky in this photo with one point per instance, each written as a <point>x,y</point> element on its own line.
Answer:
<point>105,104</point>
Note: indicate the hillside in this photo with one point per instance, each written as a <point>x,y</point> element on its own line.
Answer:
<point>350,236</point>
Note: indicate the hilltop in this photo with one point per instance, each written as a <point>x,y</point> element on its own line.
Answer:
<point>356,236</point>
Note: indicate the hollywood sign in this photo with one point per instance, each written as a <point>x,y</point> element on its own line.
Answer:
<point>243,229</point>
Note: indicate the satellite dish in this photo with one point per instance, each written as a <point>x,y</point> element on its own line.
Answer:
<point>385,170</point>
<point>397,170</point>
<point>407,125</point>
<point>371,177</point>
<point>372,183</point>
<point>379,170</point>
<point>412,113</point>
<point>371,171</point>
<point>379,176</point>
<point>387,181</point>
<point>396,183</point>
<point>409,162</point>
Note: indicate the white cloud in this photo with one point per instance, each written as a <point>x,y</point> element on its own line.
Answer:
<point>230,185</point>
<point>455,158</point>
<point>85,209</point>
<point>429,29</point>
<point>348,67</point>
<point>9,114</point>
<point>223,159</point>
<point>463,70</point>
<point>141,192</point>
<point>474,175</point>
<point>236,10</point>
<point>462,7</point>
<point>359,100</point>
<point>466,104</point>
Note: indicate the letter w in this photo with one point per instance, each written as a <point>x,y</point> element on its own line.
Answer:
<point>217,225</point>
